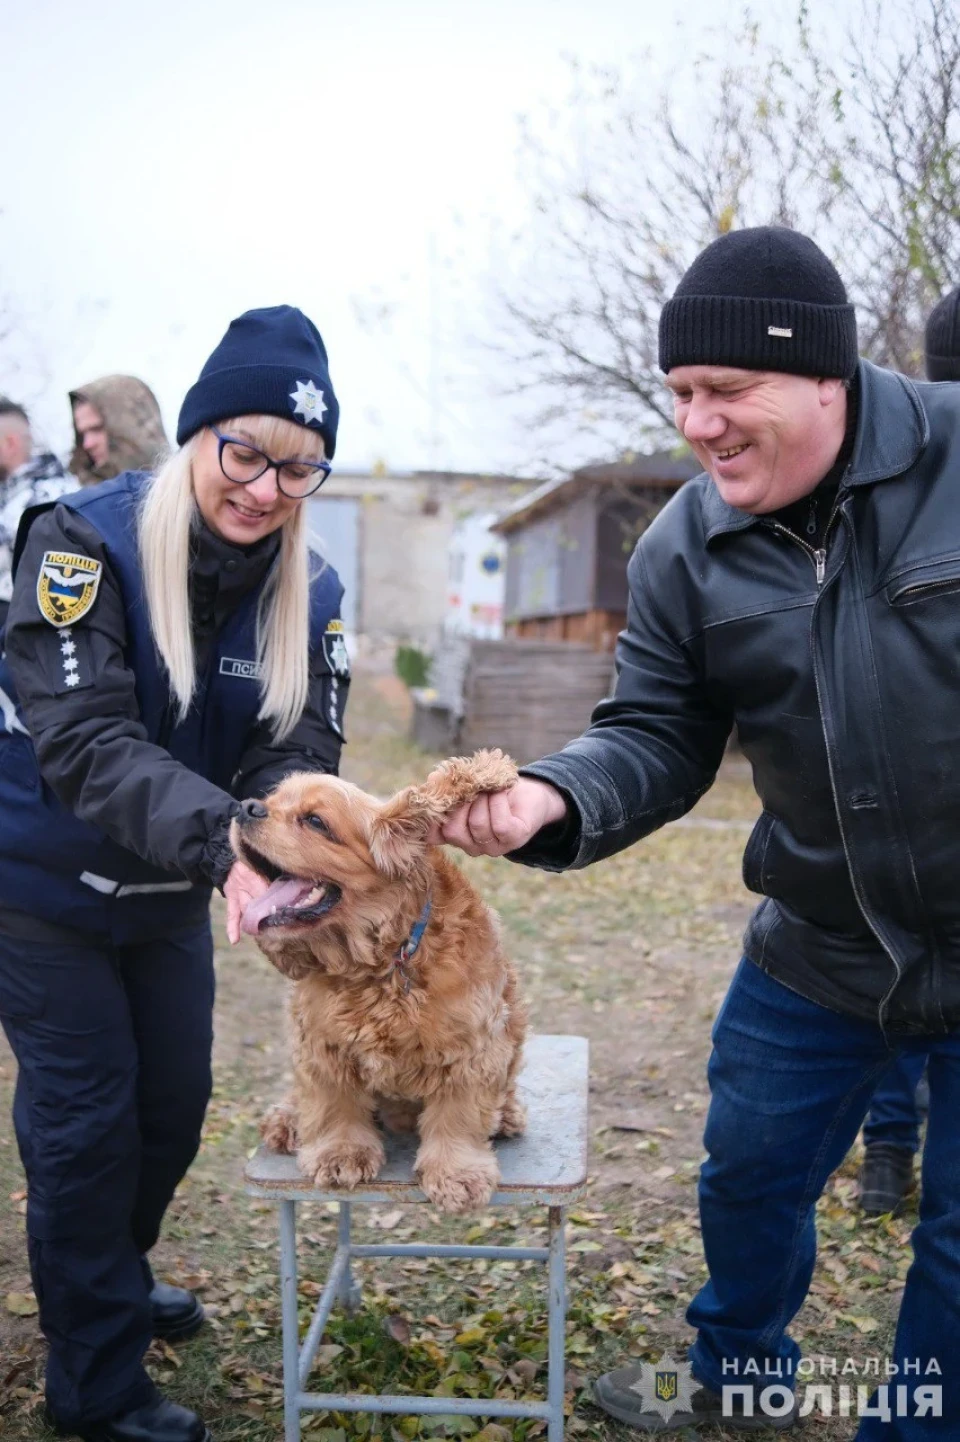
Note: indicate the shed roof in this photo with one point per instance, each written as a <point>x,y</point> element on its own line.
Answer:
<point>663,470</point>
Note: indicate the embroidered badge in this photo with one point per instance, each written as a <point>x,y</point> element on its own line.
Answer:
<point>68,655</point>
<point>784,332</point>
<point>67,587</point>
<point>308,402</point>
<point>246,670</point>
<point>335,649</point>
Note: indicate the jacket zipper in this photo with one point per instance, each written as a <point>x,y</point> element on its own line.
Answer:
<point>818,557</point>
<point>865,909</point>
<point>905,596</point>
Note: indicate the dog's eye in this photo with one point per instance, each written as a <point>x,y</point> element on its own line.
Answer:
<point>318,824</point>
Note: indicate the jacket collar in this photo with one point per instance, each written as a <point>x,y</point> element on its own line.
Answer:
<point>892,430</point>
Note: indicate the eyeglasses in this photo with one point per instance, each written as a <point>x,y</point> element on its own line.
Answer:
<point>242,463</point>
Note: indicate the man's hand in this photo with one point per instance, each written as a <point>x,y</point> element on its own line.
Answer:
<point>242,886</point>
<point>500,821</point>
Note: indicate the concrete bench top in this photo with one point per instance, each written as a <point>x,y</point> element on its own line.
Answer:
<point>547,1165</point>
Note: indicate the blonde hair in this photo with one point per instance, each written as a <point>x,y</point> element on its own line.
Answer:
<point>168,516</point>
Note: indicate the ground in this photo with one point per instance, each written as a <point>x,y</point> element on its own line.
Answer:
<point>634,954</point>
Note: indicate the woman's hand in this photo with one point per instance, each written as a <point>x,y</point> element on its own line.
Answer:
<point>242,886</point>
<point>500,821</point>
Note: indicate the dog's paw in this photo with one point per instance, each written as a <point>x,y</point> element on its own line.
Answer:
<point>341,1163</point>
<point>461,1189</point>
<point>513,1119</point>
<point>279,1129</point>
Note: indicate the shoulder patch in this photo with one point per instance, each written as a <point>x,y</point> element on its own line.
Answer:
<point>67,586</point>
<point>335,649</point>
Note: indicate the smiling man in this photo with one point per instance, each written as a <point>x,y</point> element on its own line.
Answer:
<point>805,589</point>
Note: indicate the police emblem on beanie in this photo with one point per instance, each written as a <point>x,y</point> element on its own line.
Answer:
<point>308,403</point>
<point>271,362</point>
<point>765,299</point>
<point>941,342</point>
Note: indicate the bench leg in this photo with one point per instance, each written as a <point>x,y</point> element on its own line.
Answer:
<point>348,1292</point>
<point>556,1323</point>
<point>291,1328</point>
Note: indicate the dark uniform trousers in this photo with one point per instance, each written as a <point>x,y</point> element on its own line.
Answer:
<point>113,1046</point>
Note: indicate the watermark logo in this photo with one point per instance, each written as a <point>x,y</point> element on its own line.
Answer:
<point>908,1395</point>
<point>665,1387</point>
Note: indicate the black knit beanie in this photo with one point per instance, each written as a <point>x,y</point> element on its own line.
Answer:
<point>941,342</point>
<point>765,299</point>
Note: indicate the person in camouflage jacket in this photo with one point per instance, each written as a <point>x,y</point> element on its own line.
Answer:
<point>26,479</point>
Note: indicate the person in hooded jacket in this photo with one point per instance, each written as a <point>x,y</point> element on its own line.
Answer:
<point>117,427</point>
<point>172,648</point>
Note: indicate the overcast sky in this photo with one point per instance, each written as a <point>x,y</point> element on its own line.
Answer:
<point>167,166</point>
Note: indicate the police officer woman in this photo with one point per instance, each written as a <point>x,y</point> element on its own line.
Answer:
<point>172,648</point>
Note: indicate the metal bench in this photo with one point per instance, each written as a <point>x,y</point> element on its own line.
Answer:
<point>547,1166</point>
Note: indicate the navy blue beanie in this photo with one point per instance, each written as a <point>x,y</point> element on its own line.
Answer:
<point>271,362</point>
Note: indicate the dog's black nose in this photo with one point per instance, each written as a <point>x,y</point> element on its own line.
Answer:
<point>251,811</point>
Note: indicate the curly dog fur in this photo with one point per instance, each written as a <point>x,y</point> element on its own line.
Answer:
<point>432,1045</point>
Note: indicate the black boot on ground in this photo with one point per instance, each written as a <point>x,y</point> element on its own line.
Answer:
<point>177,1313</point>
<point>885,1179</point>
<point>157,1421</point>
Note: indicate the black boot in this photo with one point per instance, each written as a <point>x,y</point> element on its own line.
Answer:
<point>177,1313</point>
<point>157,1421</point>
<point>885,1178</point>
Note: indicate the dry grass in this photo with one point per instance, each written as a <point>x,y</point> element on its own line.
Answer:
<point>634,954</point>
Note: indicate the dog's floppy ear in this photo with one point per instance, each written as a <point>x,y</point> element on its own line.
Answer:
<point>399,832</point>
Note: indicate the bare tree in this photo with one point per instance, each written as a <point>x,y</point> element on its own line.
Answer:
<point>889,162</point>
<point>861,151</point>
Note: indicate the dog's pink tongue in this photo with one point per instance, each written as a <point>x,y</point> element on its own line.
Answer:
<point>285,892</point>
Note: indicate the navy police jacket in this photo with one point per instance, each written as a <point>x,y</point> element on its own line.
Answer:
<point>113,813</point>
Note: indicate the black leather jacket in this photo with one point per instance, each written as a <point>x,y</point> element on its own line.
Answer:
<point>841,670</point>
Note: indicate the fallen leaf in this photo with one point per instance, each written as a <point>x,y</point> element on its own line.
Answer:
<point>862,1324</point>
<point>471,1335</point>
<point>22,1304</point>
<point>398,1328</point>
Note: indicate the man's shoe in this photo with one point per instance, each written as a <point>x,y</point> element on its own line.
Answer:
<point>177,1313</point>
<point>157,1421</point>
<point>622,1395</point>
<point>885,1178</point>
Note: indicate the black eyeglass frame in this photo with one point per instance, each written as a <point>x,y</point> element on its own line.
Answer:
<point>324,467</point>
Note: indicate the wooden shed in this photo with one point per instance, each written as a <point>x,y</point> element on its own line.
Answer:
<point>568,543</point>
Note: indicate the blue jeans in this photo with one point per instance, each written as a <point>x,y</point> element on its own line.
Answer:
<point>893,1115</point>
<point>790,1083</point>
